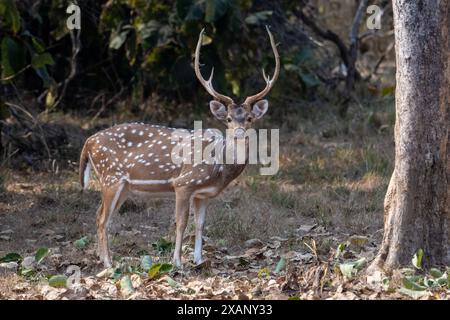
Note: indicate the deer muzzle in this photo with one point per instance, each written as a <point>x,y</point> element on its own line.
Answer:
<point>239,133</point>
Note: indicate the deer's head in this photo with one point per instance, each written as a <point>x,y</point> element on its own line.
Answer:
<point>238,117</point>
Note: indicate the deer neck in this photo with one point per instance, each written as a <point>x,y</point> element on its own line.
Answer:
<point>233,170</point>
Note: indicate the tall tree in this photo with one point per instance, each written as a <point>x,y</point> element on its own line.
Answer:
<point>418,197</point>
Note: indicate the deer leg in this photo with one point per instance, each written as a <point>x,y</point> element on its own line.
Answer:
<point>181,216</point>
<point>99,215</point>
<point>112,199</point>
<point>199,207</point>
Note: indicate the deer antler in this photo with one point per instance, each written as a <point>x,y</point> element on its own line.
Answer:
<point>208,83</point>
<point>269,81</point>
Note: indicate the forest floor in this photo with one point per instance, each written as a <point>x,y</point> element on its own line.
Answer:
<point>306,233</point>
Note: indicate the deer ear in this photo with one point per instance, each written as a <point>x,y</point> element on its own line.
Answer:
<point>218,109</point>
<point>260,108</point>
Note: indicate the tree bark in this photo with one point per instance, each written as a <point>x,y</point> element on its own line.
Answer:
<point>417,214</point>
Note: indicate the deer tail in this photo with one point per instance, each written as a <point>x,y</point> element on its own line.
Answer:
<point>85,167</point>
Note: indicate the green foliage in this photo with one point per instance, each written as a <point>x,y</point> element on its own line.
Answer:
<point>4,114</point>
<point>416,284</point>
<point>163,246</point>
<point>58,281</point>
<point>11,257</point>
<point>215,9</point>
<point>173,283</point>
<point>264,272</point>
<point>340,249</point>
<point>12,57</point>
<point>302,64</point>
<point>82,242</point>
<point>146,263</point>
<point>258,18</point>
<point>40,255</point>
<point>156,37</point>
<point>417,259</point>
<point>126,287</point>
<point>147,47</point>
<point>9,11</point>
<point>39,60</point>
<point>159,269</point>
<point>19,48</point>
<point>280,265</point>
<point>350,269</point>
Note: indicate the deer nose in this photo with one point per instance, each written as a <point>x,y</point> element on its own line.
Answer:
<point>239,133</point>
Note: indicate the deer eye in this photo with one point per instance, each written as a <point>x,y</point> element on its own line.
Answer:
<point>229,119</point>
<point>249,119</point>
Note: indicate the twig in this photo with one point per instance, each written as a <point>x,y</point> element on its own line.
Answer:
<point>375,33</point>
<point>35,122</point>
<point>353,50</point>
<point>357,21</point>
<point>348,54</point>
<point>312,248</point>
<point>76,47</point>
<point>105,105</point>
<point>6,157</point>
<point>16,74</point>
<point>380,60</point>
<point>33,118</point>
<point>325,34</point>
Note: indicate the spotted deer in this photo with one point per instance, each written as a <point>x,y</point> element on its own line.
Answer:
<point>135,158</point>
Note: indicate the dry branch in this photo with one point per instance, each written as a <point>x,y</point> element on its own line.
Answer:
<point>353,49</point>
<point>76,47</point>
<point>35,123</point>
<point>325,34</point>
<point>349,55</point>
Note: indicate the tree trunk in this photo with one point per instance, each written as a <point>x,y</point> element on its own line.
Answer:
<point>418,197</point>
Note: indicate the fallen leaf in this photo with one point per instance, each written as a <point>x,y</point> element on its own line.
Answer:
<point>126,287</point>
<point>58,281</point>
<point>253,243</point>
